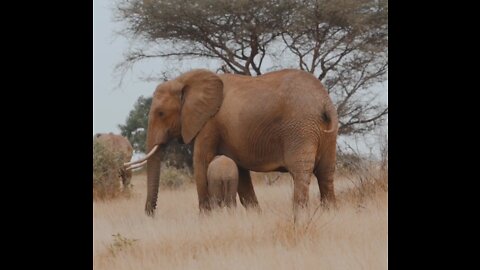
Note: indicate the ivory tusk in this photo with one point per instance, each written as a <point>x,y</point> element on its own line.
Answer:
<point>135,166</point>
<point>143,159</point>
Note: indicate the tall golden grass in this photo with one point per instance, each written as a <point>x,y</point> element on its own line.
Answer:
<point>352,236</point>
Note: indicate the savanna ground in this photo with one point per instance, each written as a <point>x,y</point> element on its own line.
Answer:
<point>353,236</point>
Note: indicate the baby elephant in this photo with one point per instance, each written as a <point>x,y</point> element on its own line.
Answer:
<point>222,177</point>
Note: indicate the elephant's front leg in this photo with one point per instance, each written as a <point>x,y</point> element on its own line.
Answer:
<point>246,193</point>
<point>203,153</point>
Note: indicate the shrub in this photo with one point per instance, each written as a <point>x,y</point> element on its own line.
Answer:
<point>106,176</point>
<point>348,163</point>
<point>173,178</point>
<point>369,179</point>
<point>369,174</point>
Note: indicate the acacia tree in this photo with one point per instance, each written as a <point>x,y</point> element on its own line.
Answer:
<point>345,44</point>
<point>237,32</point>
<point>342,42</point>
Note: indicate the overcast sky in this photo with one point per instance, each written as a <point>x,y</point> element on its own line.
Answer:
<point>112,104</point>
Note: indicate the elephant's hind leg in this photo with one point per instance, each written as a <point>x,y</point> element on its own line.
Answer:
<point>300,165</point>
<point>301,183</point>
<point>324,172</point>
<point>246,193</point>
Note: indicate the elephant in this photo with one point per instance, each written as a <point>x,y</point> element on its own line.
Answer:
<point>222,181</point>
<point>280,121</point>
<point>118,145</point>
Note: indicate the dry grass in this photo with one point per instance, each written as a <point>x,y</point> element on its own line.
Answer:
<point>354,236</point>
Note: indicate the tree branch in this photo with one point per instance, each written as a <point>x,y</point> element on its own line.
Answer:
<point>346,128</point>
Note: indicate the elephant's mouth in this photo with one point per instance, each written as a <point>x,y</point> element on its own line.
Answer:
<point>139,163</point>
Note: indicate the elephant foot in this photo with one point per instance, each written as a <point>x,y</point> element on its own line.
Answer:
<point>329,204</point>
<point>205,206</point>
<point>150,209</point>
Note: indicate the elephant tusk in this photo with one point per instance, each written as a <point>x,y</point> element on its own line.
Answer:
<point>136,166</point>
<point>143,159</point>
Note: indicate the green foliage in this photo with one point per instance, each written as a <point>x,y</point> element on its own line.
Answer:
<point>106,166</point>
<point>120,243</point>
<point>135,128</point>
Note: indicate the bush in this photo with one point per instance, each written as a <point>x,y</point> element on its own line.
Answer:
<point>348,163</point>
<point>369,174</point>
<point>369,179</point>
<point>106,176</point>
<point>173,178</point>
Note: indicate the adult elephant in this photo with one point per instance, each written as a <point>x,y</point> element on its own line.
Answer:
<point>121,148</point>
<point>280,121</point>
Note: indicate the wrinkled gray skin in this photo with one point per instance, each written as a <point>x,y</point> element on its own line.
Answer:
<point>222,178</point>
<point>118,145</point>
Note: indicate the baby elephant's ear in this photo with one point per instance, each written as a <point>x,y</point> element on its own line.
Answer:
<point>202,96</point>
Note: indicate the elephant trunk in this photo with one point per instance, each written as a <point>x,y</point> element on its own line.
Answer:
<point>153,181</point>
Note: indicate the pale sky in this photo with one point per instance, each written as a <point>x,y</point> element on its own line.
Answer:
<point>112,105</point>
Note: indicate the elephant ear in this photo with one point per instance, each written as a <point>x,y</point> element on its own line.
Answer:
<point>202,96</point>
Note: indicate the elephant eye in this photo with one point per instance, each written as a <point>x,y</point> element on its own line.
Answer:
<point>160,114</point>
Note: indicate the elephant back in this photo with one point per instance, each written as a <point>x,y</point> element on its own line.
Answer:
<point>116,144</point>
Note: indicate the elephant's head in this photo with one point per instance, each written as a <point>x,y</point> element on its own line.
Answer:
<point>180,108</point>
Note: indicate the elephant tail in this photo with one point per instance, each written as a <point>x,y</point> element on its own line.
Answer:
<point>330,118</point>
